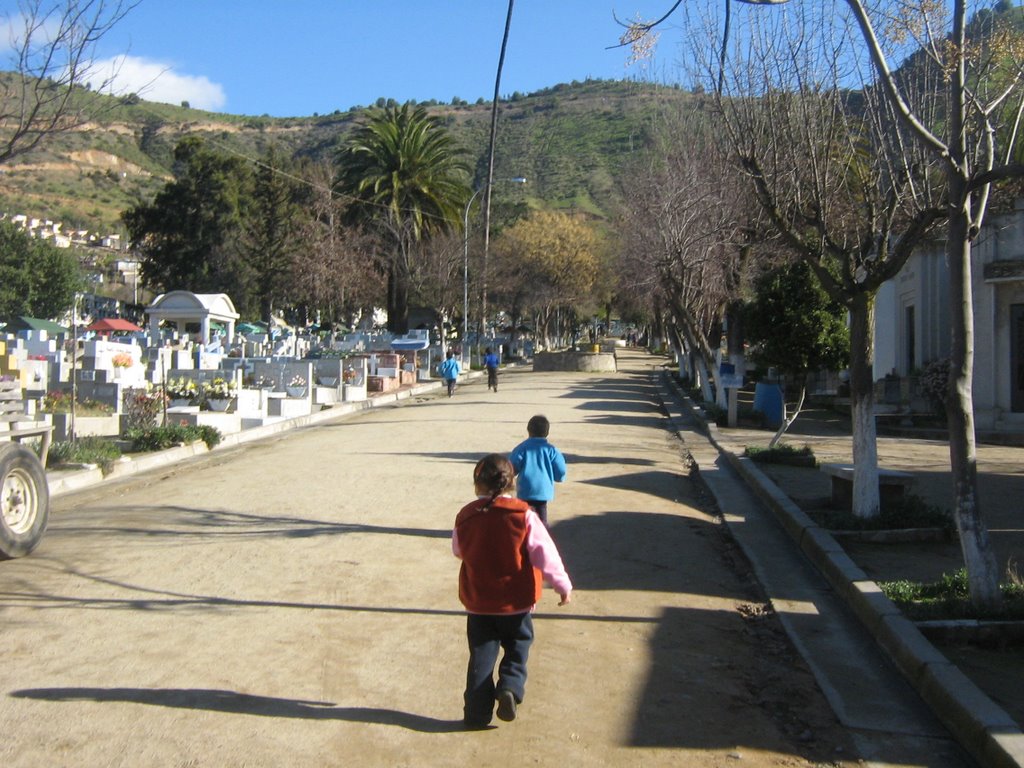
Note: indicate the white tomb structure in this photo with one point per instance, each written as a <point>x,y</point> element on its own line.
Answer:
<point>183,308</point>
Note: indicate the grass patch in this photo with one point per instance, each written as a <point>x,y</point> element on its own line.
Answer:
<point>949,598</point>
<point>909,512</point>
<point>162,438</point>
<point>85,450</point>
<point>783,453</point>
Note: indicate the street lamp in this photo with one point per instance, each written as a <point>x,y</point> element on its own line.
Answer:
<point>465,262</point>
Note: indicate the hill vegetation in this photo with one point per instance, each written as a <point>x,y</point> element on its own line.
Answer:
<point>570,141</point>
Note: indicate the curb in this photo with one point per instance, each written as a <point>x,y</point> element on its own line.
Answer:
<point>983,728</point>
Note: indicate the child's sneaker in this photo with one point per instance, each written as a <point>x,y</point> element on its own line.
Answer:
<point>506,705</point>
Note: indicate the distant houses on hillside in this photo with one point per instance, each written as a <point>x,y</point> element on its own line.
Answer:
<point>123,270</point>
<point>45,229</point>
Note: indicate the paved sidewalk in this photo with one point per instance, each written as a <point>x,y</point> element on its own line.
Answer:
<point>986,729</point>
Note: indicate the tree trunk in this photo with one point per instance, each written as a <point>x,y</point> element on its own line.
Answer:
<point>862,397</point>
<point>982,570</point>
<point>787,420</point>
<point>398,301</point>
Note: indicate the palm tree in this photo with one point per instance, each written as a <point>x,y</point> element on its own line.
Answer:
<point>405,178</point>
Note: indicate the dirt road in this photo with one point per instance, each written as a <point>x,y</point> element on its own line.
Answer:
<point>293,603</point>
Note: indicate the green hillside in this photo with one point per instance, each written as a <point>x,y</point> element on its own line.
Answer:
<point>570,142</point>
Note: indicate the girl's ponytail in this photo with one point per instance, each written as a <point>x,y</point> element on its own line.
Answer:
<point>495,475</point>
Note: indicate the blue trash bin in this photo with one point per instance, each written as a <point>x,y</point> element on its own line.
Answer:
<point>768,401</point>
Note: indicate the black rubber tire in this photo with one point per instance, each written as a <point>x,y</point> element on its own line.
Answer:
<point>24,500</point>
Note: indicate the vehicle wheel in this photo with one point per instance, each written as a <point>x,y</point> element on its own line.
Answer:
<point>24,500</point>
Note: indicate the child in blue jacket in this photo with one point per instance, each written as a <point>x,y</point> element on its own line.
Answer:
<point>538,465</point>
<point>449,370</point>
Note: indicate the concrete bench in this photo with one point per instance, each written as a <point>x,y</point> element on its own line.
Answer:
<point>892,484</point>
<point>16,423</point>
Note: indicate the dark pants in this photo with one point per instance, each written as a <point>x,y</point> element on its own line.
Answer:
<point>541,508</point>
<point>513,633</point>
<point>451,386</point>
<point>492,378</point>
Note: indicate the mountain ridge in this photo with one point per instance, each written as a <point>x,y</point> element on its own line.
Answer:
<point>569,140</point>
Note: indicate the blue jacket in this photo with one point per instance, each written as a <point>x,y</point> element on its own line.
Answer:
<point>539,465</point>
<point>490,360</point>
<point>449,368</point>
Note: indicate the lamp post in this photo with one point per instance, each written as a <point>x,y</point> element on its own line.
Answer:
<point>465,263</point>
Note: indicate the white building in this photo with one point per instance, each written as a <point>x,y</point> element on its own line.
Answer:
<point>912,321</point>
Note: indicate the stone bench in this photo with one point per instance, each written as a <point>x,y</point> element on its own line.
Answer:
<point>892,484</point>
<point>16,423</point>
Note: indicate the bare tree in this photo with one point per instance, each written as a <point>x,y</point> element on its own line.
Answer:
<point>832,171</point>
<point>682,240</point>
<point>52,47</point>
<point>335,268</point>
<point>973,141</point>
<point>436,276</point>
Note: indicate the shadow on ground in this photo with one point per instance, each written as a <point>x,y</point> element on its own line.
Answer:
<point>243,704</point>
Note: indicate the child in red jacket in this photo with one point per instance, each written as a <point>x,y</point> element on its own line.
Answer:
<point>506,553</point>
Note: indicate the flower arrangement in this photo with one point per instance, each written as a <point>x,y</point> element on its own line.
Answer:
<point>297,381</point>
<point>219,388</point>
<point>122,360</point>
<point>182,388</point>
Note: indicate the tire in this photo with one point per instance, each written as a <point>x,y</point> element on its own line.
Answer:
<point>24,500</point>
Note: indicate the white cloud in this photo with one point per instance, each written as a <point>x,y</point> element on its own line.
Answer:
<point>156,81</point>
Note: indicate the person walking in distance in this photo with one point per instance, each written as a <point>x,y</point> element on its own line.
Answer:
<point>538,465</point>
<point>449,370</point>
<point>491,364</point>
<point>507,554</point>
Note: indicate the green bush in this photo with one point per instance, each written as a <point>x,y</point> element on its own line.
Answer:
<point>783,453</point>
<point>911,511</point>
<point>162,438</point>
<point>85,450</point>
<point>948,598</point>
<point>142,409</point>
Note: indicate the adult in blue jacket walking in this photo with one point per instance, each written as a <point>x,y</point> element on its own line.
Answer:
<point>538,465</point>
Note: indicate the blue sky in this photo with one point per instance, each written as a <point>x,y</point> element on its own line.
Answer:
<point>300,57</point>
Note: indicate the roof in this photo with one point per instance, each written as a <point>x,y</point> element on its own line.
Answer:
<point>24,323</point>
<point>173,304</point>
<point>113,324</point>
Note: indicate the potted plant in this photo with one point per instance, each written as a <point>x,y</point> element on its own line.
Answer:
<point>218,393</point>
<point>296,387</point>
<point>181,391</point>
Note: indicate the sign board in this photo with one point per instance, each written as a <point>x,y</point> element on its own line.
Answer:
<point>728,377</point>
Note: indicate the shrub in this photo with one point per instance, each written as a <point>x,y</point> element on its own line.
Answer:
<point>948,598</point>
<point>911,511</point>
<point>85,450</point>
<point>783,453</point>
<point>142,408</point>
<point>162,438</point>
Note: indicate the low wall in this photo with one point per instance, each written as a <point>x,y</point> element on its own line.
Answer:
<point>572,360</point>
